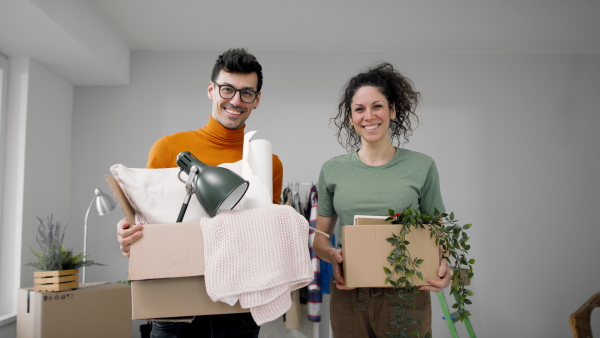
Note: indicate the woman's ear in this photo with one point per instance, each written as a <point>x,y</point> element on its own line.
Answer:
<point>392,111</point>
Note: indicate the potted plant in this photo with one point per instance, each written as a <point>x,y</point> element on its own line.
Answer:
<point>60,267</point>
<point>452,238</point>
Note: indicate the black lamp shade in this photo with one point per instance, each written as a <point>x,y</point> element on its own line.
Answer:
<point>215,187</point>
<point>219,188</point>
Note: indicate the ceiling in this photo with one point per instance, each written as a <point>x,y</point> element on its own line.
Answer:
<point>86,40</point>
<point>545,26</point>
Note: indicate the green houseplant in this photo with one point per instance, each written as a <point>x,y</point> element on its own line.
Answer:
<point>54,257</point>
<point>452,238</point>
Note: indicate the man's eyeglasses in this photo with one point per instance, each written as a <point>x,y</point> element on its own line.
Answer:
<point>228,92</point>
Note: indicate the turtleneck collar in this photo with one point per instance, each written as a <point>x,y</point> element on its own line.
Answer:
<point>216,130</point>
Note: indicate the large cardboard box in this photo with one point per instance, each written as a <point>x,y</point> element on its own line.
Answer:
<point>365,251</point>
<point>166,268</point>
<point>92,310</point>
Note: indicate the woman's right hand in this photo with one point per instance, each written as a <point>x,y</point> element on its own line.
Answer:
<point>127,234</point>
<point>327,252</point>
<point>338,269</point>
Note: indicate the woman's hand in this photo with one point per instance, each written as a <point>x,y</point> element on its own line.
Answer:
<point>438,285</point>
<point>327,252</point>
<point>338,269</point>
<point>127,234</point>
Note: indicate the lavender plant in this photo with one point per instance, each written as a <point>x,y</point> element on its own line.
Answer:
<point>52,254</point>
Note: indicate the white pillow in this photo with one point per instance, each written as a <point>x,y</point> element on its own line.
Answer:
<point>157,194</point>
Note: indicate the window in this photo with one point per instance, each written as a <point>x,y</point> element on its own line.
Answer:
<point>7,284</point>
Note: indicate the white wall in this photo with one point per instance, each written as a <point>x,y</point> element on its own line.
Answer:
<point>36,168</point>
<point>514,137</point>
<point>47,155</point>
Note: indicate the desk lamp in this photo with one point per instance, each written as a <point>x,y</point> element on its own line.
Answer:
<point>104,205</point>
<point>215,187</point>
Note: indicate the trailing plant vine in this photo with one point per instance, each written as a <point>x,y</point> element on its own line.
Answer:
<point>53,255</point>
<point>452,239</point>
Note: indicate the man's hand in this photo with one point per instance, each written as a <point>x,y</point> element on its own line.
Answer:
<point>127,234</point>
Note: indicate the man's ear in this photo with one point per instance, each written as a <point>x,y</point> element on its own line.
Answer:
<point>210,90</point>
<point>257,100</point>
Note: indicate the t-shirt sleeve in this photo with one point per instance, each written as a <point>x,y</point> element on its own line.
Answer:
<point>325,196</point>
<point>431,195</point>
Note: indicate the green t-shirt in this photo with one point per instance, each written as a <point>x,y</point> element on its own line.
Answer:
<point>349,187</point>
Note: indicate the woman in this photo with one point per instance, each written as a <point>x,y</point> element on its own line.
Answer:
<point>375,110</point>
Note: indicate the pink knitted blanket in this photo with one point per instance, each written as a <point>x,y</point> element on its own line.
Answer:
<point>258,255</point>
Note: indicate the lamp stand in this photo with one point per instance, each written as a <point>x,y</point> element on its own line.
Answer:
<point>87,214</point>
<point>104,205</point>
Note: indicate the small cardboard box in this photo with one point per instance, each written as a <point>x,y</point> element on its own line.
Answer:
<point>365,251</point>
<point>92,310</point>
<point>166,267</point>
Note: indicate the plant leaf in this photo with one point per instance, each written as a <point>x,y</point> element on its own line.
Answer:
<point>420,275</point>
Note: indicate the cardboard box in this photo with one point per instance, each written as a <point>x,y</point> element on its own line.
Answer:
<point>166,267</point>
<point>92,310</point>
<point>365,252</point>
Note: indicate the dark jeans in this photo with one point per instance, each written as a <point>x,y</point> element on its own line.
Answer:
<point>367,312</point>
<point>217,326</point>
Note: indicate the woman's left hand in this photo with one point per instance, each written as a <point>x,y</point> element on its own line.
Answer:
<point>438,285</point>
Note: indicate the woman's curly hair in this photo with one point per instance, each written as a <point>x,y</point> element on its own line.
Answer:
<point>397,89</point>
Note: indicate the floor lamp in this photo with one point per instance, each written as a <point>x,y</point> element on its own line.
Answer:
<point>104,205</point>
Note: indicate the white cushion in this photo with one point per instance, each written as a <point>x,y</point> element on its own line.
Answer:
<point>157,194</point>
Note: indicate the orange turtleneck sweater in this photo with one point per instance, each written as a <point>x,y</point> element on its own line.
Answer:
<point>213,144</point>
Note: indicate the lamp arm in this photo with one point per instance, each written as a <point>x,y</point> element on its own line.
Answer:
<point>189,189</point>
<point>87,214</point>
<point>184,206</point>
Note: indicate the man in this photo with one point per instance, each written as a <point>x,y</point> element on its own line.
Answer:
<point>235,90</point>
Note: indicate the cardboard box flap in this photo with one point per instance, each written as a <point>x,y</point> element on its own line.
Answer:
<point>121,198</point>
<point>181,252</point>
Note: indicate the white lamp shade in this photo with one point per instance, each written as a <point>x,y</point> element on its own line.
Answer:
<point>104,203</point>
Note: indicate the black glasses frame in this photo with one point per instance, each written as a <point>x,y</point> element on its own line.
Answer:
<point>236,91</point>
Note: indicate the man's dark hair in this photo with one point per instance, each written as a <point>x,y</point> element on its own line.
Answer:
<point>239,61</point>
